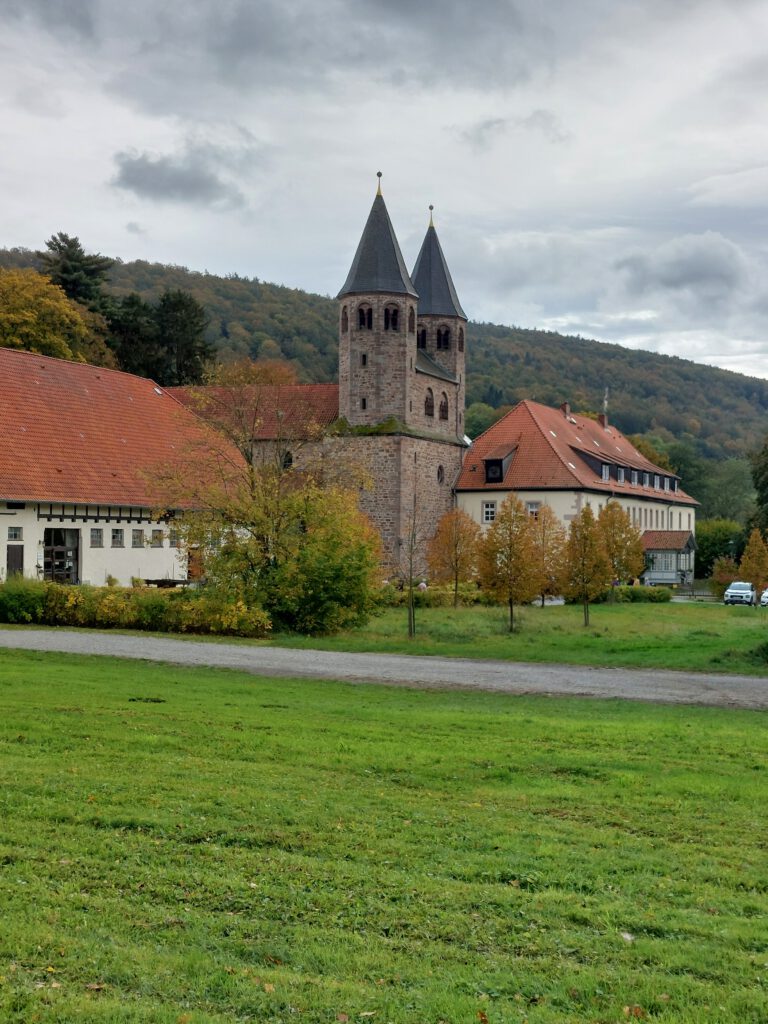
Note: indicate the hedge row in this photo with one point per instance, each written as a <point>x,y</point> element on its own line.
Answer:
<point>163,611</point>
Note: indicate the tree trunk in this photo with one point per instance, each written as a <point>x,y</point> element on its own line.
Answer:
<point>411,611</point>
<point>586,613</point>
<point>511,616</point>
<point>456,591</point>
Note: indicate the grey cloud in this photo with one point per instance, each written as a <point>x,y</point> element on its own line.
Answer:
<point>182,178</point>
<point>708,264</point>
<point>545,122</point>
<point>481,134</point>
<point>134,228</point>
<point>70,16</point>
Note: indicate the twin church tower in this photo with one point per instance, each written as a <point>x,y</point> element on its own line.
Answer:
<point>402,379</point>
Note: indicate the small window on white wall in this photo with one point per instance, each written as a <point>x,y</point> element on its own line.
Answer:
<point>488,511</point>
<point>15,533</point>
<point>532,508</point>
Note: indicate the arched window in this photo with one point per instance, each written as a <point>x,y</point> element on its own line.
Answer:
<point>461,339</point>
<point>440,475</point>
<point>344,320</point>
<point>391,318</point>
<point>421,338</point>
<point>429,403</point>
<point>365,318</point>
<point>443,338</point>
<point>444,406</point>
<point>411,321</point>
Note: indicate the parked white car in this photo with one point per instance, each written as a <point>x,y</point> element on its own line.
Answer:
<point>740,593</point>
<point>764,598</point>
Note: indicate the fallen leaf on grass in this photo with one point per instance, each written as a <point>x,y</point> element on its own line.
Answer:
<point>634,1011</point>
<point>268,986</point>
<point>55,984</point>
<point>482,1016</point>
<point>96,986</point>
<point>342,1018</point>
<point>627,936</point>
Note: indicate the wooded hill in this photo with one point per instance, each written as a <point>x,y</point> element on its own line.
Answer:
<point>719,414</point>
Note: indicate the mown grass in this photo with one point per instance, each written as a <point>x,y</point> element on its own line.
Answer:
<point>203,846</point>
<point>688,637</point>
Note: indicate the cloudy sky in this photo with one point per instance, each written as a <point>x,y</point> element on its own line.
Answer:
<point>597,167</point>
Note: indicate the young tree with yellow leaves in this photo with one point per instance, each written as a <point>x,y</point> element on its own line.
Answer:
<point>588,570</point>
<point>551,540</point>
<point>622,541</point>
<point>753,567</point>
<point>453,551</point>
<point>508,565</point>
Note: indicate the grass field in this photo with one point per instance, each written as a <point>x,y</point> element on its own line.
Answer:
<point>692,637</point>
<point>187,846</point>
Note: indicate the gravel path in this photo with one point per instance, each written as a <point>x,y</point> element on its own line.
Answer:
<point>408,670</point>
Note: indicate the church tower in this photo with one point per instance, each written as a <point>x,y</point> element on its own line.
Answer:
<point>441,324</point>
<point>410,395</point>
<point>377,327</point>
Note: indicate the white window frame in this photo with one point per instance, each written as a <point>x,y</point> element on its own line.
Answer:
<point>137,538</point>
<point>533,508</point>
<point>15,533</point>
<point>488,511</point>
<point>118,537</point>
<point>97,532</point>
<point>620,474</point>
<point>634,477</point>
<point>606,472</point>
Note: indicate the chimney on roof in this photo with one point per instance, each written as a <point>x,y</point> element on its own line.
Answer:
<point>565,409</point>
<point>602,419</point>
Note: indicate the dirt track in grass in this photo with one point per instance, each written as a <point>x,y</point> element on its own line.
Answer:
<point>414,671</point>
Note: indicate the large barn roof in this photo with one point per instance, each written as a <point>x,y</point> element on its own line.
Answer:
<point>75,433</point>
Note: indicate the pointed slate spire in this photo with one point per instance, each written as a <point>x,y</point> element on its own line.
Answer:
<point>437,295</point>
<point>378,265</point>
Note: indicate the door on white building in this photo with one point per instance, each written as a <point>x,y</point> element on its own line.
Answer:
<point>61,555</point>
<point>14,560</point>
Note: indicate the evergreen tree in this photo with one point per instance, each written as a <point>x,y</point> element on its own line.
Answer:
<point>80,275</point>
<point>133,335</point>
<point>181,324</point>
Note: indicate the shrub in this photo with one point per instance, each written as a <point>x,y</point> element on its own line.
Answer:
<point>22,600</point>
<point>55,604</point>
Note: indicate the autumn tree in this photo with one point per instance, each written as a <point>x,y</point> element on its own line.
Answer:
<point>79,274</point>
<point>36,315</point>
<point>588,570</point>
<point>622,542</point>
<point>725,570</point>
<point>550,544</point>
<point>753,567</point>
<point>269,531</point>
<point>453,551</point>
<point>508,565</point>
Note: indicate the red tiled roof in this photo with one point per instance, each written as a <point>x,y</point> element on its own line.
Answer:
<point>279,410</point>
<point>667,540</point>
<point>552,449</point>
<point>71,432</point>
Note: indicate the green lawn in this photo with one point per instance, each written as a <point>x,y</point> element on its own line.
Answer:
<point>692,637</point>
<point>194,845</point>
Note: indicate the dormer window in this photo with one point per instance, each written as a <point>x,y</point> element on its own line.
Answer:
<point>666,483</point>
<point>606,472</point>
<point>635,477</point>
<point>429,403</point>
<point>365,318</point>
<point>391,318</point>
<point>444,407</point>
<point>494,471</point>
<point>344,320</point>
<point>620,474</point>
<point>411,320</point>
<point>656,481</point>
<point>646,479</point>
<point>421,338</point>
<point>443,338</point>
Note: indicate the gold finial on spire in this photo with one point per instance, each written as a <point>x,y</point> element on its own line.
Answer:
<point>431,208</point>
<point>378,190</point>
